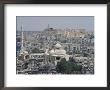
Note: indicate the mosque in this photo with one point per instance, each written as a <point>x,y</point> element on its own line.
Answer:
<point>56,54</point>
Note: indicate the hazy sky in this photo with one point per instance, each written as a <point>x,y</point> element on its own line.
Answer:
<point>38,23</point>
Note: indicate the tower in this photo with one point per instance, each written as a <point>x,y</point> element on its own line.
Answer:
<point>48,27</point>
<point>22,38</point>
<point>23,55</point>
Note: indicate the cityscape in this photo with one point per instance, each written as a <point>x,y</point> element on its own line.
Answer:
<point>54,49</point>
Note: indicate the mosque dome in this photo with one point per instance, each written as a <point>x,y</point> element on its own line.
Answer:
<point>52,51</point>
<point>58,45</point>
<point>60,52</point>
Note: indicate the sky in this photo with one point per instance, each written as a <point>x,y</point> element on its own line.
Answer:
<point>39,23</point>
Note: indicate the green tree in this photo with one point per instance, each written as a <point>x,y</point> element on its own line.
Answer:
<point>67,67</point>
<point>77,67</point>
<point>61,66</point>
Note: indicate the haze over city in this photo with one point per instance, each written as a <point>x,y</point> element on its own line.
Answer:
<point>39,23</point>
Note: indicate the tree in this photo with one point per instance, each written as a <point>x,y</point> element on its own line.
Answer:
<point>77,67</point>
<point>71,59</point>
<point>67,67</point>
<point>61,66</point>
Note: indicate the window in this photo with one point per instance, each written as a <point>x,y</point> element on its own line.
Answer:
<point>57,58</point>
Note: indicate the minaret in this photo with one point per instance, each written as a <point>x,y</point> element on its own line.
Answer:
<point>48,27</point>
<point>22,38</point>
